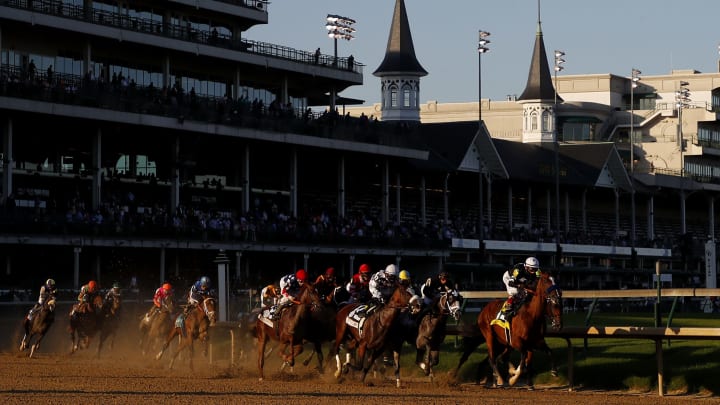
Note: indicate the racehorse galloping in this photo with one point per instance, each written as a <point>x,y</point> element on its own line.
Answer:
<point>153,331</point>
<point>85,324</point>
<point>290,329</point>
<point>372,339</point>
<point>472,338</point>
<point>526,328</point>
<point>321,329</point>
<point>110,321</point>
<point>37,327</point>
<point>432,330</point>
<point>191,327</point>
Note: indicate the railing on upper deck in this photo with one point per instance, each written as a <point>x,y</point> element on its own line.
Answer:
<point>177,31</point>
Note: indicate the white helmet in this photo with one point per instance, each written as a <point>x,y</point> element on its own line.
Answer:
<point>391,270</point>
<point>532,262</point>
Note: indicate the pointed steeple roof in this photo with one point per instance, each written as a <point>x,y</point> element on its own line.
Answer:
<point>400,54</point>
<point>539,84</point>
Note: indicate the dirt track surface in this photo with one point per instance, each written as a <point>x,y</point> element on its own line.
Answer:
<point>122,376</point>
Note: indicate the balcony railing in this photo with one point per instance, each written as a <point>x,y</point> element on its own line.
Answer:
<point>176,31</point>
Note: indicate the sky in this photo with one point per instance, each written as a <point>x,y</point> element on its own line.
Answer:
<point>611,36</point>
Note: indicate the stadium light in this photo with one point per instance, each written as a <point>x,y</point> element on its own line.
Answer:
<point>339,27</point>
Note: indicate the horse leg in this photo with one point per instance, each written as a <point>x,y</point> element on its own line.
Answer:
<point>521,368</point>
<point>469,346</point>
<point>183,344</point>
<point>493,359</point>
<point>396,365</point>
<point>261,342</point>
<point>171,335</point>
<point>542,345</point>
<point>367,363</point>
<point>36,345</point>
<point>529,371</point>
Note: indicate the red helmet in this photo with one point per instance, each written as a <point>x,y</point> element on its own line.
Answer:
<point>301,275</point>
<point>364,268</point>
<point>330,272</point>
<point>167,287</point>
<point>92,285</point>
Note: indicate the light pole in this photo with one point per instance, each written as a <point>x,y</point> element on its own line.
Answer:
<point>682,99</point>
<point>482,48</point>
<point>339,27</point>
<point>558,249</point>
<point>634,79</point>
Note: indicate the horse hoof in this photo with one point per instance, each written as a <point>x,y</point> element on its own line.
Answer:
<point>531,388</point>
<point>554,373</point>
<point>397,383</point>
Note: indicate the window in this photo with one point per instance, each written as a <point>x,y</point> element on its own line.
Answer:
<point>393,96</point>
<point>407,91</point>
<point>545,121</point>
<point>534,121</point>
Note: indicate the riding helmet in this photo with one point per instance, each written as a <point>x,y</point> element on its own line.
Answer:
<point>532,263</point>
<point>391,270</point>
<point>404,275</point>
<point>116,285</point>
<point>364,268</point>
<point>167,287</point>
<point>204,281</point>
<point>301,275</point>
<point>50,282</point>
<point>92,285</point>
<point>330,272</point>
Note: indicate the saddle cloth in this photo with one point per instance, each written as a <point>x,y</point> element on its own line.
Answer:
<point>357,317</point>
<point>264,317</point>
<point>503,323</point>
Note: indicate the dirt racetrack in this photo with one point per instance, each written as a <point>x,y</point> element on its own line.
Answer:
<point>122,376</point>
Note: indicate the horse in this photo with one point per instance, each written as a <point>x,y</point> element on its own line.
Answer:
<point>291,328</point>
<point>85,323</point>
<point>153,329</point>
<point>373,338</point>
<point>190,327</point>
<point>110,314</point>
<point>38,326</point>
<point>432,330</point>
<point>322,327</point>
<point>526,329</point>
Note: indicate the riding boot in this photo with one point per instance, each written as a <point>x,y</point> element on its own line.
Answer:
<point>506,310</point>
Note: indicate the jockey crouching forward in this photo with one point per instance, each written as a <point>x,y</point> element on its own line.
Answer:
<point>46,297</point>
<point>290,286</point>
<point>198,292</point>
<point>85,298</point>
<point>515,281</point>
<point>382,285</point>
<point>161,294</point>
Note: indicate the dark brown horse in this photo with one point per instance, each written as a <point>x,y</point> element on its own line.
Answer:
<point>322,328</point>
<point>432,329</point>
<point>526,328</point>
<point>37,327</point>
<point>85,323</point>
<point>110,314</point>
<point>154,330</point>
<point>191,327</point>
<point>291,328</point>
<point>373,338</point>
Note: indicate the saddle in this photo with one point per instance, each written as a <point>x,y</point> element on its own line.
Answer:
<point>357,317</point>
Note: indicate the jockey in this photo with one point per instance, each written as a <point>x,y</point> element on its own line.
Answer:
<point>47,296</point>
<point>434,286</point>
<point>358,287</point>
<point>383,283</point>
<point>290,286</point>
<point>325,284</point>
<point>161,294</point>
<point>198,292</point>
<point>85,298</point>
<point>113,293</point>
<point>269,295</point>
<point>515,280</point>
<point>406,281</point>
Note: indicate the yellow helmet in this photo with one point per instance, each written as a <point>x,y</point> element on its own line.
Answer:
<point>404,275</point>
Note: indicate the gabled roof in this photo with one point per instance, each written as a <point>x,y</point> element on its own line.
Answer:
<point>400,54</point>
<point>539,84</point>
<point>589,165</point>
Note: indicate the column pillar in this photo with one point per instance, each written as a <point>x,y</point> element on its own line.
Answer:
<point>97,174</point>
<point>341,188</point>
<point>7,162</point>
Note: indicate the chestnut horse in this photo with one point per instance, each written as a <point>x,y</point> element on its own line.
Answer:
<point>190,327</point>
<point>373,338</point>
<point>86,322</point>
<point>158,327</point>
<point>110,320</point>
<point>38,326</point>
<point>291,328</point>
<point>526,329</point>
